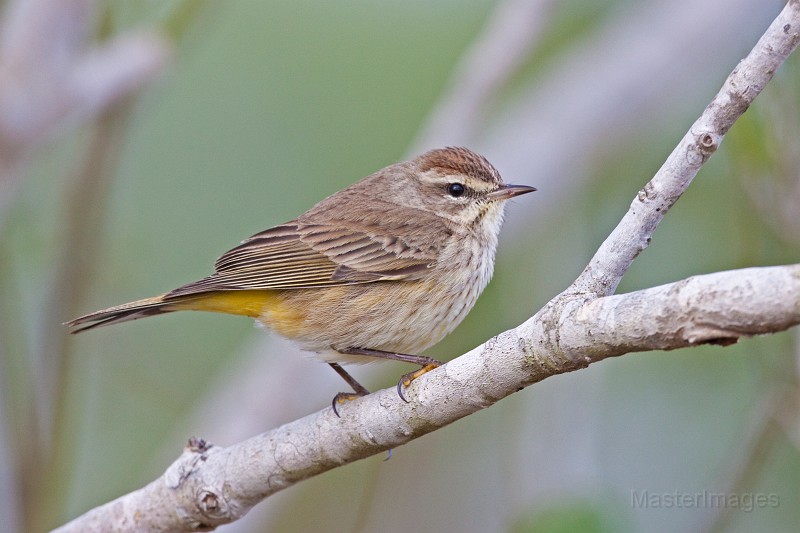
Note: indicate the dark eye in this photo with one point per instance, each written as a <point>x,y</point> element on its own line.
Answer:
<point>455,190</point>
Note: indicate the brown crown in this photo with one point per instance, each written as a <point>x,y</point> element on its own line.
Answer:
<point>458,160</point>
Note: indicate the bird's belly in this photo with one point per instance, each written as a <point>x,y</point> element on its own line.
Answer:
<point>395,316</point>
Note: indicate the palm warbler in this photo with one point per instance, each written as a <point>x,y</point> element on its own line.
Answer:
<point>382,269</point>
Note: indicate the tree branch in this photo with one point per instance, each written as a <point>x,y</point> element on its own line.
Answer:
<point>210,485</point>
<point>747,80</point>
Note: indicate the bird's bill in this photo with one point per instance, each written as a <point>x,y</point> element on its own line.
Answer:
<point>509,191</point>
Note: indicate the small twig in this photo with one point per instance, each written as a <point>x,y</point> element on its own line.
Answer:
<point>634,232</point>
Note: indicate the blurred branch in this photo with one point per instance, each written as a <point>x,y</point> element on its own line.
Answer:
<point>505,43</point>
<point>86,200</point>
<point>52,78</point>
<point>775,192</point>
<point>9,473</point>
<point>761,439</point>
<point>778,417</point>
<point>209,485</point>
<point>184,17</point>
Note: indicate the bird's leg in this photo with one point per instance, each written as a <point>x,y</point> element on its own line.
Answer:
<point>358,389</point>
<point>426,364</point>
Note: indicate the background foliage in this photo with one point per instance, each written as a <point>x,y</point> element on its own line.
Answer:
<point>270,106</point>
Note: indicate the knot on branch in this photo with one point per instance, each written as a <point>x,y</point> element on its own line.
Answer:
<point>212,505</point>
<point>198,445</point>
<point>704,145</point>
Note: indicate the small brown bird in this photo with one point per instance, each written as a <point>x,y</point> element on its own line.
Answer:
<point>382,269</point>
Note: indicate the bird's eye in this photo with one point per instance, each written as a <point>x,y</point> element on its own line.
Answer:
<point>455,190</point>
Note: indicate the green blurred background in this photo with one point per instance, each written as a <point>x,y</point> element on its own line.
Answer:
<point>267,107</point>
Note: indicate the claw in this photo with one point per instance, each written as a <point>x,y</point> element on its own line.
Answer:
<point>400,389</point>
<point>358,389</point>
<point>406,379</point>
<point>343,397</point>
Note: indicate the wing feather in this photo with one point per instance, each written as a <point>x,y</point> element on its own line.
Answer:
<point>305,254</point>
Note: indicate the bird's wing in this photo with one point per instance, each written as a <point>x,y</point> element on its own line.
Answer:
<point>304,254</point>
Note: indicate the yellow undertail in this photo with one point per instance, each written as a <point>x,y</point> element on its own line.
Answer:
<point>248,303</point>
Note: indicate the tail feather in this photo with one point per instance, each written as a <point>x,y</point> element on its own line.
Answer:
<point>122,313</point>
<point>248,303</point>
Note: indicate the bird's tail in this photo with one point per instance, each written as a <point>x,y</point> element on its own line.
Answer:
<point>122,313</point>
<point>248,303</point>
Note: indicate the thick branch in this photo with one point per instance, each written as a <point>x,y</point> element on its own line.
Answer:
<point>211,485</point>
<point>711,309</point>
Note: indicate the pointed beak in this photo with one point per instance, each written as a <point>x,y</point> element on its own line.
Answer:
<point>509,191</point>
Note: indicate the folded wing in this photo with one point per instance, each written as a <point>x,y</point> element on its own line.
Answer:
<point>306,254</point>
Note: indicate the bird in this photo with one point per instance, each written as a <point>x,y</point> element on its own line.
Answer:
<point>382,269</point>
